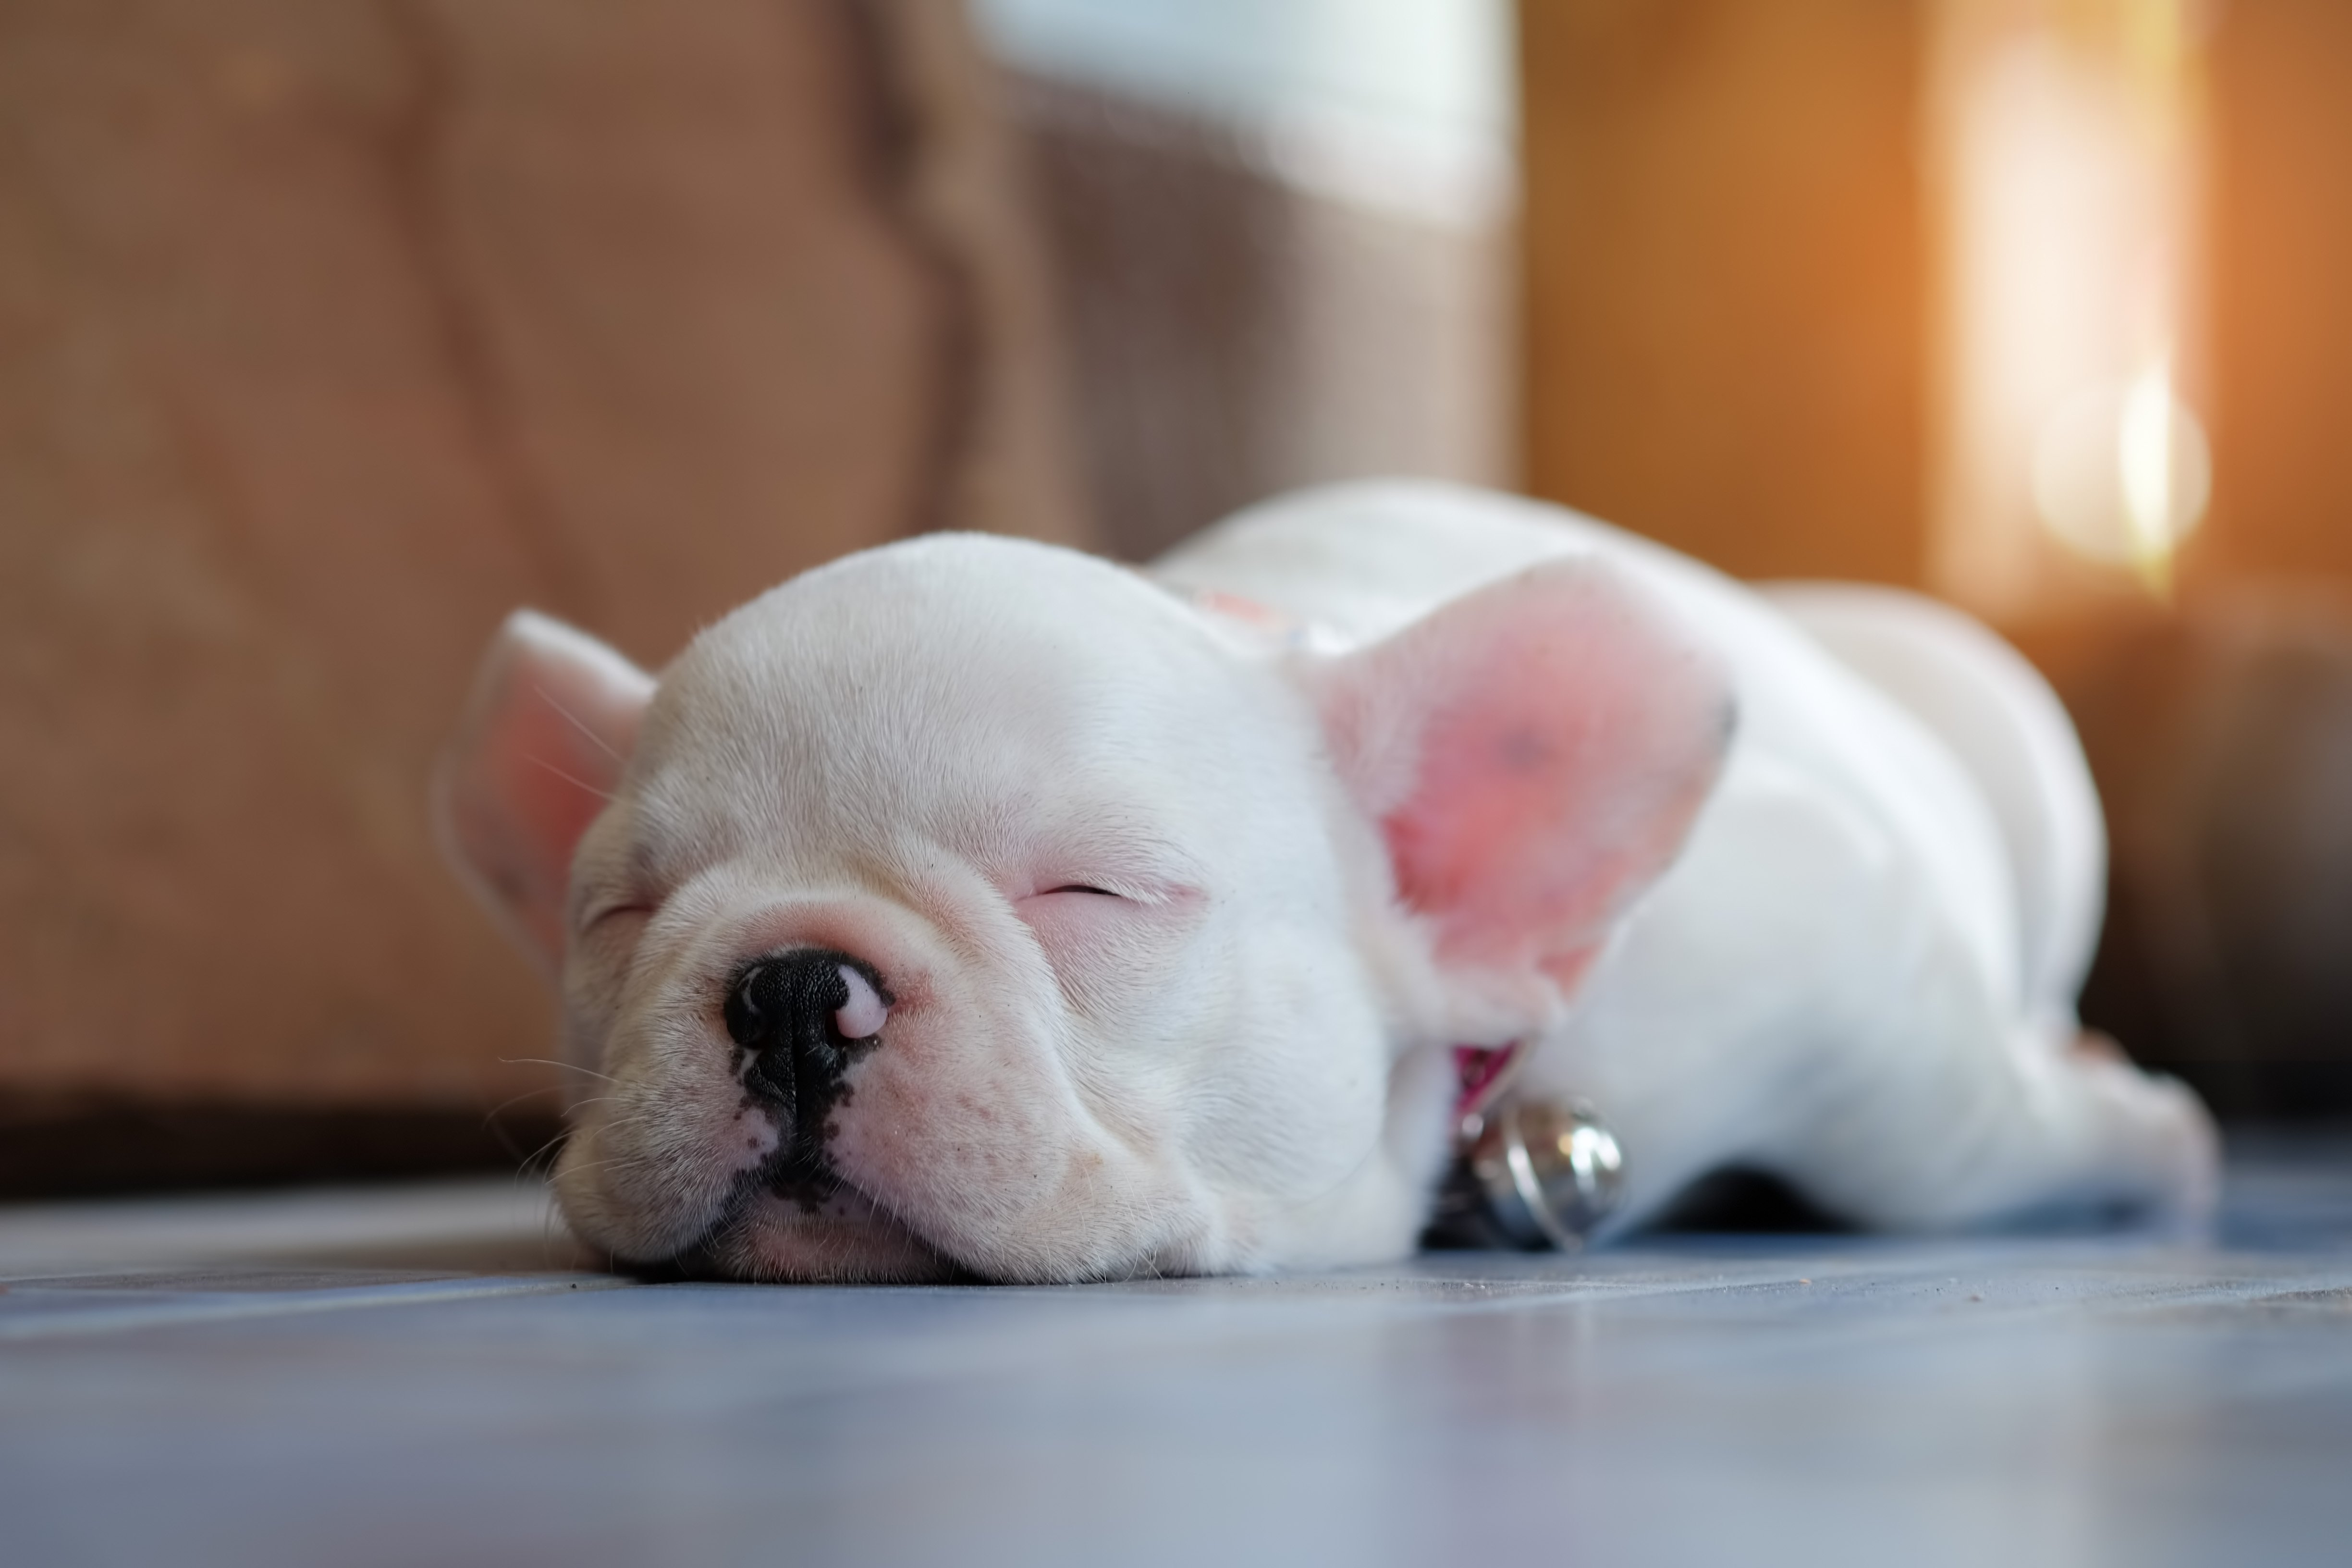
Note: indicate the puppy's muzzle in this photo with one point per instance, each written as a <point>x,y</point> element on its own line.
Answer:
<point>802,1018</point>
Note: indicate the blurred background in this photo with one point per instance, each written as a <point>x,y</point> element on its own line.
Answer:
<point>330,332</point>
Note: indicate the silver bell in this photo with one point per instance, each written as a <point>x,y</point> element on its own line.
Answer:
<point>1550,1171</point>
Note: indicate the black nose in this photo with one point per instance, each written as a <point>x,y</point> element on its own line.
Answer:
<point>781,1009</point>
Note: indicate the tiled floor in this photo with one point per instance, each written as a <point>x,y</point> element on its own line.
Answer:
<point>423,1376</point>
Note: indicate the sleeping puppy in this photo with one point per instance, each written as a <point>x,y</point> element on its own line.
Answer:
<point>970,906</point>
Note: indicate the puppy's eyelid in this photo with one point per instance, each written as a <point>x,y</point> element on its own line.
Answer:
<point>598,911</point>
<point>1148,892</point>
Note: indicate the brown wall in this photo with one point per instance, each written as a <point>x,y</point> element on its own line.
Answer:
<point>1723,300</point>
<point>2281,239</point>
<point>335,331</point>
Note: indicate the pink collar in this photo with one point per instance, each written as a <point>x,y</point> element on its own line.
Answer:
<point>1485,1071</point>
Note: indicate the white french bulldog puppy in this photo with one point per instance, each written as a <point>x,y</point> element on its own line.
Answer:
<point>972,906</point>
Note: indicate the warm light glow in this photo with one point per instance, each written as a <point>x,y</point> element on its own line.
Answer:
<point>2065,141</point>
<point>2158,438</point>
<point>2121,475</point>
<point>2144,456</point>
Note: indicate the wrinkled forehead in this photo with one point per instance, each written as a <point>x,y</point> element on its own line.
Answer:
<point>961,689</point>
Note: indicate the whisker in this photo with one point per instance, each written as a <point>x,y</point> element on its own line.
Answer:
<point>489,1117</point>
<point>531,1159</point>
<point>549,1062</point>
<point>491,1125</point>
<point>574,719</point>
<point>567,778</point>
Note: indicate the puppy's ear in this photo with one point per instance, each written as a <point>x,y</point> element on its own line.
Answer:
<point>539,750</point>
<point>1534,754</point>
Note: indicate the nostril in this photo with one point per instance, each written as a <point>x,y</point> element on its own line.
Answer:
<point>859,1017</point>
<point>801,1015</point>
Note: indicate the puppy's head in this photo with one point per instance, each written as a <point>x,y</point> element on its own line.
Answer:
<point>974,905</point>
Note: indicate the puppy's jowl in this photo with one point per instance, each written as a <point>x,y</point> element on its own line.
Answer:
<point>973,905</point>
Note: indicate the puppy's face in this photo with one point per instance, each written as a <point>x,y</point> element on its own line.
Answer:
<point>973,905</point>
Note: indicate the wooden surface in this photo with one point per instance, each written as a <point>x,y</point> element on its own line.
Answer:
<point>429,1376</point>
<point>336,331</point>
<point>1724,299</point>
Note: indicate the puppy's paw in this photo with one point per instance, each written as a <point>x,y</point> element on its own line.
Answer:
<point>2156,1144</point>
<point>2183,1148</point>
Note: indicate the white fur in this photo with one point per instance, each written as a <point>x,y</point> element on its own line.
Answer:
<point>1234,1053</point>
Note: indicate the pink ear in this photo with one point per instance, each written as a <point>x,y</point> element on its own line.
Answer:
<point>539,751</point>
<point>1535,753</point>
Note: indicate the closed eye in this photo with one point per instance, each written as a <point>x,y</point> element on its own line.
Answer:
<point>1110,950</point>
<point>606,915</point>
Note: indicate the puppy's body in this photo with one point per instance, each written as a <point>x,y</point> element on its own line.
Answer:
<point>1159,917</point>
<point>1861,973</point>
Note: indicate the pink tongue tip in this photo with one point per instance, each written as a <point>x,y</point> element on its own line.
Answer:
<point>861,1017</point>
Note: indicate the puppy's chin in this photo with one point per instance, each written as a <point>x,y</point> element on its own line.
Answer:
<point>844,1239</point>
